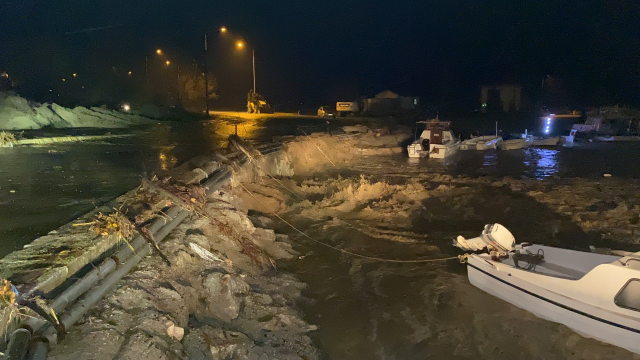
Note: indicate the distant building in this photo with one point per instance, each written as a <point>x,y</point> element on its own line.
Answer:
<point>500,98</point>
<point>389,103</point>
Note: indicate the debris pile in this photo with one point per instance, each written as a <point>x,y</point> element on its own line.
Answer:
<point>220,297</point>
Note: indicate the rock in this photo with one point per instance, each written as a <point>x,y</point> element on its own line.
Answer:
<point>175,332</point>
<point>141,347</point>
<point>85,342</point>
<point>207,343</point>
<point>222,291</point>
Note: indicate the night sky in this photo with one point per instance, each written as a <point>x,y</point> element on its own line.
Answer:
<point>323,51</point>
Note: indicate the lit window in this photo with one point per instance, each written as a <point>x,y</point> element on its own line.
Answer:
<point>629,296</point>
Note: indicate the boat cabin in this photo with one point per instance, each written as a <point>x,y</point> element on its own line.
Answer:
<point>436,132</point>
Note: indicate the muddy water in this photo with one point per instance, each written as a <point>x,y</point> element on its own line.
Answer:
<point>378,310</point>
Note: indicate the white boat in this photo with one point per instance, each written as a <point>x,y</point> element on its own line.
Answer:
<point>551,141</point>
<point>596,295</point>
<point>481,143</point>
<point>514,144</point>
<point>436,141</point>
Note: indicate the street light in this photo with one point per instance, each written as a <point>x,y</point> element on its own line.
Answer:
<point>240,45</point>
<point>159,52</point>
<point>167,62</point>
<point>223,29</point>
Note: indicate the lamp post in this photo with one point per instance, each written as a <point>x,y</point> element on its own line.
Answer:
<point>206,75</point>
<point>240,45</point>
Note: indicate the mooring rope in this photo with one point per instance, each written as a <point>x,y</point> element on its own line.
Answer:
<point>314,144</point>
<point>460,257</point>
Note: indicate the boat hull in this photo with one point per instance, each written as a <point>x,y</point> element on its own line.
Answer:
<point>553,141</point>
<point>481,143</point>
<point>444,151</point>
<point>514,144</point>
<point>587,320</point>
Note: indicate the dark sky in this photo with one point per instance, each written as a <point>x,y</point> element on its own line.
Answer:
<point>323,51</point>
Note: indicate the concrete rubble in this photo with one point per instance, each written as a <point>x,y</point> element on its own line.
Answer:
<point>236,308</point>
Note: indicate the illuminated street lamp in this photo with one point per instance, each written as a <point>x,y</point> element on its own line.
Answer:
<point>130,73</point>
<point>167,62</point>
<point>240,45</point>
<point>159,52</point>
<point>223,29</point>
<point>74,75</point>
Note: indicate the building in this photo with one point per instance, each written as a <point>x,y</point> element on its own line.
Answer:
<point>500,98</point>
<point>389,103</point>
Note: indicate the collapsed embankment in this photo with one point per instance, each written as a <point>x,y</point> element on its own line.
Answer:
<point>211,290</point>
<point>17,113</point>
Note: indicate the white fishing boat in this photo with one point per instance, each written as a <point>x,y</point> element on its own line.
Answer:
<point>436,141</point>
<point>481,143</point>
<point>514,144</point>
<point>596,295</point>
<point>550,141</point>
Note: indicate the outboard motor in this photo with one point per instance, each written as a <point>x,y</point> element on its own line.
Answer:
<point>495,237</point>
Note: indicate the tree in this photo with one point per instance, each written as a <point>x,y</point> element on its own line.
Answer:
<point>191,88</point>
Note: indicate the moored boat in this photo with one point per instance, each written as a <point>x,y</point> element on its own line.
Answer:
<point>481,143</point>
<point>550,141</point>
<point>596,295</point>
<point>514,144</point>
<point>436,141</point>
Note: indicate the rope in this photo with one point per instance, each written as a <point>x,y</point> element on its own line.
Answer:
<point>314,144</point>
<point>460,257</point>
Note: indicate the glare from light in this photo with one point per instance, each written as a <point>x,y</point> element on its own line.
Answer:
<point>159,52</point>
<point>223,29</point>
<point>168,62</point>
<point>240,44</point>
<point>63,79</point>
<point>130,73</point>
<point>126,107</point>
<point>74,75</point>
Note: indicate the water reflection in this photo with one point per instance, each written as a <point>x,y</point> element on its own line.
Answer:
<point>490,158</point>
<point>542,163</point>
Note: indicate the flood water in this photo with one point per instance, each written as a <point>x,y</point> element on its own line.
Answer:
<point>368,309</point>
<point>364,309</point>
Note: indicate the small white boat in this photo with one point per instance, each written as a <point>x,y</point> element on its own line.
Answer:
<point>481,143</point>
<point>604,138</point>
<point>436,141</point>
<point>596,295</point>
<point>514,144</point>
<point>551,141</point>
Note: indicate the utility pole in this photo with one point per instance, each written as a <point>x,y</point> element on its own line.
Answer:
<point>206,78</point>
<point>254,71</point>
